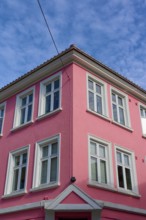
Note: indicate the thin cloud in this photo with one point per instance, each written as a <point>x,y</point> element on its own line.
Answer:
<point>111,31</point>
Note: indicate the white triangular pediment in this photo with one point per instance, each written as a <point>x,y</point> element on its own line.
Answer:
<point>89,203</point>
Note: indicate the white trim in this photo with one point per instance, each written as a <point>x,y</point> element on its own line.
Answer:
<point>105,113</point>
<point>49,114</point>
<point>134,190</point>
<point>126,107</point>
<point>22,126</point>
<point>121,207</point>
<point>23,207</point>
<point>9,177</point>
<point>36,186</point>
<point>110,181</point>
<point>43,203</point>
<point>72,188</point>
<point>3,105</point>
<point>143,129</point>
<point>41,112</point>
<point>19,96</point>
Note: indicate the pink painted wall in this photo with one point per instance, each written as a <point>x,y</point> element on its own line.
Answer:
<point>85,123</point>
<point>74,123</point>
<point>114,215</point>
<point>35,214</point>
<point>60,122</point>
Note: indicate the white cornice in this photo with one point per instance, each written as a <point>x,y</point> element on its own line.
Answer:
<point>72,56</point>
<point>108,75</point>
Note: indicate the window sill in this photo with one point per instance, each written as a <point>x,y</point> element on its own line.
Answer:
<point>44,187</point>
<point>99,115</point>
<point>122,126</point>
<point>21,126</point>
<point>128,192</point>
<point>14,194</point>
<point>103,186</point>
<point>111,188</point>
<point>48,114</point>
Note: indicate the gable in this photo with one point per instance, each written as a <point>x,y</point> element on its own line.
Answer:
<point>73,198</point>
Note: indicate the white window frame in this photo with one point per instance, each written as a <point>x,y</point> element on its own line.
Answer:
<point>18,107</point>
<point>109,165</point>
<point>131,155</point>
<point>143,119</point>
<point>10,170</point>
<point>125,108</point>
<point>42,95</point>
<point>37,164</point>
<point>103,95</point>
<point>2,106</point>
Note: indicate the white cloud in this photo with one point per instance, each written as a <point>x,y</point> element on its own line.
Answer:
<point>112,31</point>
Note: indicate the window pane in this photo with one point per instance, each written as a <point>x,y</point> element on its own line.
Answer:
<point>24,101</point>
<point>99,104</point>
<point>56,100</point>
<point>29,113</point>
<point>120,177</point>
<point>45,151</point>
<point>54,148</point>
<point>48,104</point>
<point>90,84</point>
<point>113,97</point>
<point>101,151</point>
<point>53,172</point>
<point>30,98</point>
<point>141,111</point>
<point>56,84</point>
<point>94,169</point>
<point>103,171</point>
<point>128,179</point>
<point>24,158</point>
<point>48,88</point>
<point>44,171</point>
<point>1,122</point>
<point>17,160</point>
<point>22,118</point>
<point>122,120</point>
<point>15,179</point>
<point>119,157</point>
<point>93,148</point>
<point>115,112</point>
<point>126,160</point>
<point>98,88</point>
<point>120,101</point>
<point>22,179</point>
<point>91,100</point>
<point>1,113</point>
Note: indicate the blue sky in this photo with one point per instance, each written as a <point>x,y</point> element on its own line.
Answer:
<point>112,31</point>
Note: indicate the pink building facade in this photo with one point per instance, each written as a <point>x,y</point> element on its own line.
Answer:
<point>72,143</point>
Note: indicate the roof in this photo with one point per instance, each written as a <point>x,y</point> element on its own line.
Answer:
<point>72,47</point>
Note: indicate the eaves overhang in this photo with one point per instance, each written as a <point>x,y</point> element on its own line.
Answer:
<point>72,55</point>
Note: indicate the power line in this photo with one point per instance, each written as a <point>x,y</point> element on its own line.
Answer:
<point>47,26</point>
<point>49,30</point>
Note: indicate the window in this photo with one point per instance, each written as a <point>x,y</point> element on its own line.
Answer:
<point>100,162</point>
<point>46,167</point>
<point>126,170</point>
<point>143,119</point>
<point>120,109</point>
<point>96,96</point>
<point>50,95</point>
<point>17,171</point>
<point>2,110</point>
<point>24,108</point>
